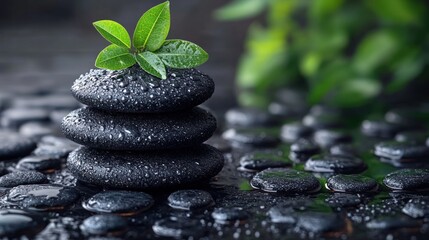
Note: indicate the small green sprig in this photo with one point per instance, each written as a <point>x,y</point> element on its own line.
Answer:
<point>149,47</point>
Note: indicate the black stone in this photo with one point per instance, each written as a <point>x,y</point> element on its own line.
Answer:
<point>37,130</point>
<point>417,207</point>
<point>148,170</point>
<point>408,180</point>
<point>42,196</point>
<point>55,147</point>
<point>352,184</point>
<point>13,145</point>
<point>249,117</point>
<point>133,90</point>
<point>379,129</point>
<point>116,131</point>
<point>335,164</point>
<point>44,164</point>
<point>125,203</point>
<point>17,178</point>
<point>302,150</point>
<point>230,215</point>
<point>343,149</point>
<point>320,222</point>
<point>343,200</point>
<point>16,223</point>
<point>190,199</point>
<point>179,227</point>
<point>321,119</point>
<point>291,132</point>
<point>104,224</point>
<point>15,117</point>
<point>260,160</point>
<point>327,138</point>
<point>255,137</point>
<point>402,151</point>
<point>285,180</point>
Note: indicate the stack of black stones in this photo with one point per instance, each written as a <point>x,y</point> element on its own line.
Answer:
<point>140,132</point>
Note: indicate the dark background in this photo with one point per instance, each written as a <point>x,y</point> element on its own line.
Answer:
<point>46,44</point>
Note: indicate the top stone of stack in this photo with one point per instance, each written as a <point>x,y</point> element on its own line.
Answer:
<point>132,90</point>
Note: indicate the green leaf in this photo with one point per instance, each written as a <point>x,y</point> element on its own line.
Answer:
<point>240,9</point>
<point>151,63</point>
<point>114,57</point>
<point>152,28</point>
<point>113,32</point>
<point>355,92</point>
<point>181,54</point>
<point>408,68</point>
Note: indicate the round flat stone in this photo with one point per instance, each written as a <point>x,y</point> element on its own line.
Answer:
<point>285,180</point>
<point>148,170</point>
<point>15,117</point>
<point>291,132</point>
<point>179,227</point>
<point>104,224</point>
<point>55,147</point>
<point>16,223</point>
<point>326,137</point>
<point>321,120</point>
<point>44,164</point>
<point>260,160</point>
<point>17,178</point>
<point>37,130</point>
<point>335,164</point>
<point>408,179</point>
<point>42,196</point>
<point>226,215</point>
<point>343,200</point>
<point>401,151</point>
<point>417,207</point>
<point>13,145</point>
<point>379,128</point>
<point>304,146</point>
<point>190,199</point>
<point>124,203</point>
<point>352,183</point>
<point>115,131</point>
<point>249,117</point>
<point>343,149</point>
<point>133,90</point>
<point>251,137</point>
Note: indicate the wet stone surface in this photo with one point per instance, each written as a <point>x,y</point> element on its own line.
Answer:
<point>106,224</point>
<point>251,138</point>
<point>352,184</point>
<point>16,223</point>
<point>190,199</point>
<point>124,203</point>
<point>17,178</point>
<point>116,131</point>
<point>133,90</point>
<point>230,215</point>
<point>39,163</point>
<point>284,180</point>
<point>178,228</point>
<point>13,145</point>
<point>417,208</point>
<point>402,152</point>
<point>260,160</point>
<point>42,196</point>
<point>335,164</point>
<point>249,117</point>
<point>408,180</point>
<point>151,170</point>
<point>15,117</point>
<point>291,132</point>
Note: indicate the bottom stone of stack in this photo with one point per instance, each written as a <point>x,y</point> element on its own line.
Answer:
<point>146,170</point>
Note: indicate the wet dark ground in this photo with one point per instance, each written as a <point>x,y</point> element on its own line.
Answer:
<point>239,212</point>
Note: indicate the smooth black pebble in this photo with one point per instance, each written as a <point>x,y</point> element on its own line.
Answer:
<point>291,132</point>
<point>190,199</point>
<point>352,184</point>
<point>45,164</point>
<point>402,151</point>
<point>16,223</point>
<point>42,196</point>
<point>134,90</point>
<point>251,137</point>
<point>124,203</point>
<point>285,180</point>
<point>260,160</point>
<point>327,137</point>
<point>379,129</point>
<point>13,145</point>
<point>150,170</point>
<point>302,150</point>
<point>137,132</point>
<point>249,117</point>
<point>343,200</point>
<point>15,117</point>
<point>408,180</point>
<point>106,224</point>
<point>54,147</point>
<point>335,164</point>
<point>17,178</point>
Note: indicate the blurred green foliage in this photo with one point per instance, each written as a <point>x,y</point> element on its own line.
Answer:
<point>345,53</point>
